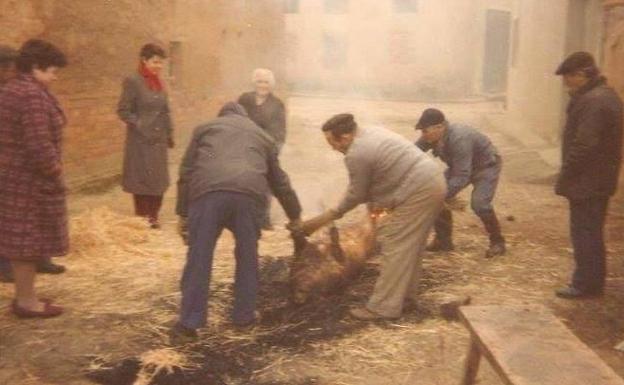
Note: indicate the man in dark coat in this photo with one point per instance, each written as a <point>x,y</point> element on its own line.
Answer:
<point>591,157</point>
<point>472,159</point>
<point>228,168</point>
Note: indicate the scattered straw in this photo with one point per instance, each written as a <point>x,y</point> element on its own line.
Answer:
<point>153,362</point>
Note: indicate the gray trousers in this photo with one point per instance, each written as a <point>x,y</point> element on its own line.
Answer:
<point>484,188</point>
<point>402,236</point>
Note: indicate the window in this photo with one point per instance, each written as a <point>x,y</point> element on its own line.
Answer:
<point>334,52</point>
<point>405,6</point>
<point>336,7</point>
<point>291,6</point>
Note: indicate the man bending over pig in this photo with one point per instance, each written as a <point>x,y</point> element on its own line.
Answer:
<point>392,175</point>
<point>228,168</point>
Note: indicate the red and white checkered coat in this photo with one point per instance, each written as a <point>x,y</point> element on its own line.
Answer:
<point>33,214</point>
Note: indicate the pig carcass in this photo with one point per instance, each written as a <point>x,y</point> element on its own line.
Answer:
<point>324,266</point>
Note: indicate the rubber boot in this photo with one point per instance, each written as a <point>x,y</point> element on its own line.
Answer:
<point>497,241</point>
<point>443,227</point>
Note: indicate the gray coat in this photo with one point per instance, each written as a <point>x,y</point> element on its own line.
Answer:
<point>385,169</point>
<point>232,153</point>
<point>149,129</point>
<point>467,153</point>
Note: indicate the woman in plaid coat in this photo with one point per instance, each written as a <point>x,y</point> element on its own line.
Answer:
<point>33,216</point>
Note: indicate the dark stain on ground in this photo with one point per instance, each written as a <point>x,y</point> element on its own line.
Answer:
<point>296,327</point>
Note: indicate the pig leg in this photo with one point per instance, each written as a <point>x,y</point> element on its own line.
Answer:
<point>300,242</point>
<point>336,250</point>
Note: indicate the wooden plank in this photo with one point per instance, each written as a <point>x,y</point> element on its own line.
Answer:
<point>528,345</point>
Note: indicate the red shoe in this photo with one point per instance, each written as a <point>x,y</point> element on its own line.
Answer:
<point>49,310</point>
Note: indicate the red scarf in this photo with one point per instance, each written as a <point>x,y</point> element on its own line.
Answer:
<point>151,79</point>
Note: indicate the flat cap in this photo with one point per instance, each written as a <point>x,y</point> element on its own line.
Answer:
<point>430,117</point>
<point>576,62</point>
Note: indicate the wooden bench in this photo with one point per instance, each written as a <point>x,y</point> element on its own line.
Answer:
<point>530,346</point>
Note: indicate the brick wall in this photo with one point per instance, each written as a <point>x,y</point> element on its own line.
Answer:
<point>217,46</point>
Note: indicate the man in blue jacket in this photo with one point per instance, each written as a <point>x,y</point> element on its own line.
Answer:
<point>471,159</point>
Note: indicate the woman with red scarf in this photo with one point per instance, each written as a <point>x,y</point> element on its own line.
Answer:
<point>144,107</point>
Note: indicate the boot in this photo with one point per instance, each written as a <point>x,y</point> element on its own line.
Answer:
<point>497,241</point>
<point>443,233</point>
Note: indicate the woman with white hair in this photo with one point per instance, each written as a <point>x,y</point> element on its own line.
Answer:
<point>268,112</point>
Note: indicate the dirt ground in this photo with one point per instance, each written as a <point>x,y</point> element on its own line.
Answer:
<point>121,296</point>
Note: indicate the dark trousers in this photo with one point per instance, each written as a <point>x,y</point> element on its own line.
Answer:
<point>587,219</point>
<point>208,216</point>
<point>147,206</point>
<point>7,270</point>
<point>5,266</point>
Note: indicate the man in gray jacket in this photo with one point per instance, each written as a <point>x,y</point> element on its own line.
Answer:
<point>228,168</point>
<point>391,175</point>
<point>471,159</point>
<point>591,157</point>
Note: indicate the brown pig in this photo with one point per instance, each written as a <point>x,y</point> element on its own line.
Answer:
<point>324,266</point>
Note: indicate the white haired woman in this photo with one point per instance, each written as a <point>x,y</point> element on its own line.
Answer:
<point>268,112</point>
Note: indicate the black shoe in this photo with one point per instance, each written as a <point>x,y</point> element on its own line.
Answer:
<point>180,335</point>
<point>571,292</point>
<point>6,276</point>
<point>496,249</point>
<point>48,267</point>
<point>438,245</point>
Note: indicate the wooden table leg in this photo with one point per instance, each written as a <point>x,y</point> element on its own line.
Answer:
<point>472,363</point>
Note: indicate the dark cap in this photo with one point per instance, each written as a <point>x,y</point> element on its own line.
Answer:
<point>7,54</point>
<point>430,117</point>
<point>577,61</point>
